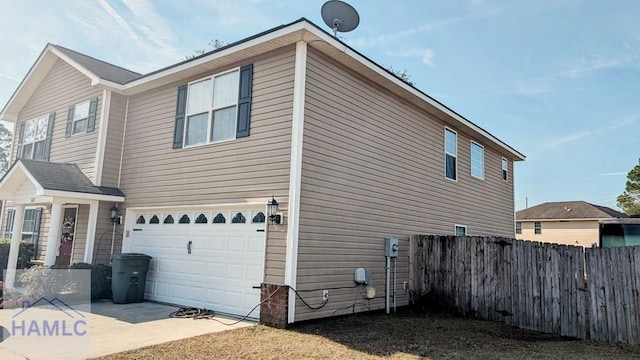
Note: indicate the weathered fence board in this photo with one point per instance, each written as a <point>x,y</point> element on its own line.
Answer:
<point>558,289</point>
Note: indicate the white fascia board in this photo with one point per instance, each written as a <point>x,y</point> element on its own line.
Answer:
<point>374,67</point>
<point>109,85</point>
<point>130,88</point>
<point>86,72</point>
<point>80,196</point>
<point>20,166</point>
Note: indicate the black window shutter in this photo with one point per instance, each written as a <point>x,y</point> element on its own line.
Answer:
<point>181,108</point>
<point>47,144</point>
<point>20,140</point>
<point>8,229</point>
<point>91,120</point>
<point>70,121</point>
<point>244,101</point>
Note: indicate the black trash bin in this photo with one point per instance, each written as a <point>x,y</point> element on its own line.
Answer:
<point>129,277</point>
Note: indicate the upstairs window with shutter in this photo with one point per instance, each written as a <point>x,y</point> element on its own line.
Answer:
<point>214,109</point>
<point>82,117</point>
<point>34,138</point>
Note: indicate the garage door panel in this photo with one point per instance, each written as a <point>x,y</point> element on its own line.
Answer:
<point>226,260</point>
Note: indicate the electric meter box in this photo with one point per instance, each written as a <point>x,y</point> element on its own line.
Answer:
<point>391,247</point>
<point>362,276</point>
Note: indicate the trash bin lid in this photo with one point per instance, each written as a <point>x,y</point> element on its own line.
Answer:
<point>131,256</point>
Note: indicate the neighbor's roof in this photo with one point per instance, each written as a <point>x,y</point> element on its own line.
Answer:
<point>65,177</point>
<point>566,210</point>
<point>120,80</point>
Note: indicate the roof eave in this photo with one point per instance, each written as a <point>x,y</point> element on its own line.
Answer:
<point>80,195</point>
<point>568,219</point>
<point>306,31</point>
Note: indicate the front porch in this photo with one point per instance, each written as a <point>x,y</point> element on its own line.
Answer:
<point>59,188</point>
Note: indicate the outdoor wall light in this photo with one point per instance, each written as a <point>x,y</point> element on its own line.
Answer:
<point>272,209</point>
<point>114,213</point>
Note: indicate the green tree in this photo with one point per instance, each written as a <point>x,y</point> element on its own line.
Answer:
<point>629,201</point>
<point>402,74</point>
<point>214,44</point>
<point>6,138</point>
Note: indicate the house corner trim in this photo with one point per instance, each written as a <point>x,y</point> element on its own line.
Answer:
<point>295,174</point>
<point>102,136</point>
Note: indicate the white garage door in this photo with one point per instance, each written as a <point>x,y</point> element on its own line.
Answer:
<point>202,258</point>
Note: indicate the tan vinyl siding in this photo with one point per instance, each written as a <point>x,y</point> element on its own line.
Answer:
<point>249,168</point>
<point>573,232</point>
<point>45,222</point>
<point>105,234</point>
<point>62,87</point>
<point>373,167</point>
<point>113,148</point>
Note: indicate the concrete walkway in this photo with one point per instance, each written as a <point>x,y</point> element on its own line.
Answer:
<point>111,329</point>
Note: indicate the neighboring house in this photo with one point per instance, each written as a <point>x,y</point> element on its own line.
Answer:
<point>564,222</point>
<point>192,153</point>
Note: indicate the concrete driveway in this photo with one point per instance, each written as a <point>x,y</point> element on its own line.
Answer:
<point>111,328</point>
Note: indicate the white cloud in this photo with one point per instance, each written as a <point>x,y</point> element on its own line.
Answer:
<point>562,140</point>
<point>119,20</point>
<point>384,39</point>
<point>612,174</point>
<point>13,78</point>
<point>426,55</point>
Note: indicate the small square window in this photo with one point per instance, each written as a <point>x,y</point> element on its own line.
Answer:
<point>460,230</point>
<point>537,227</point>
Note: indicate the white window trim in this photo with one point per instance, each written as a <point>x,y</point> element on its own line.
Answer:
<point>209,112</point>
<point>33,143</point>
<point>534,228</point>
<point>73,124</point>
<point>456,226</point>
<point>9,233</point>
<point>471,158</point>
<point>446,128</point>
<point>504,177</point>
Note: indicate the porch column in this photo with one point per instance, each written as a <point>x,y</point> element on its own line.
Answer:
<point>14,248</point>
<point>55,231</point>
<point>91,232</point>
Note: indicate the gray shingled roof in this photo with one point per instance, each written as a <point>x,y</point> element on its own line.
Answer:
<point>65,177</point>
<point>568,210</point>
<point>102,69</point>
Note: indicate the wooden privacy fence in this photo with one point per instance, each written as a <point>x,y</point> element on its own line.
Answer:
<point>613,276</point>
<point>532,285</point>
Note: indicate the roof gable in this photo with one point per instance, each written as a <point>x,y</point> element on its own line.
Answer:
<point>54,179</point>
<point>565,210</point>
<point>96,70</point>
<point>126,82</point>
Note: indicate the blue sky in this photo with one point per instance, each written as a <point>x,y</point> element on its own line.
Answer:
<point>557,80</point>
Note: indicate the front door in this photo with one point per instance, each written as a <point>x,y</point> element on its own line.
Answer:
<point>65,251</point>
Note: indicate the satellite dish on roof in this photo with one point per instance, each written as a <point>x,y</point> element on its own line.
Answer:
<point>340,16</point>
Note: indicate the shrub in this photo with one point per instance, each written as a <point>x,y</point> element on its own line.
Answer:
<point>25,254</point>
<point>100,280</point>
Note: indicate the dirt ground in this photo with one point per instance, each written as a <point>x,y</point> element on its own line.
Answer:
<point>406,335</point>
